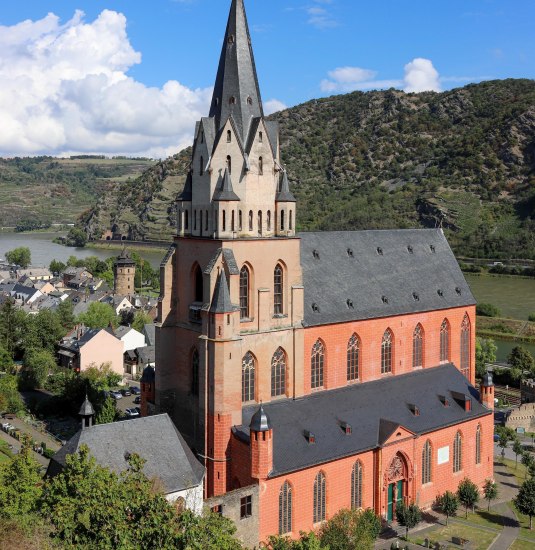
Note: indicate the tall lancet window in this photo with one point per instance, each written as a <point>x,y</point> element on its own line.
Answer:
<point>244,293</point>
<point>444,341</point>
<point>229,164</point>
<point>386,352</point>
<point>417,347</point>
<point>248,377</point>
<point>260,165</point>
<point>317,359</point>
<point>465,347</point>
<point>353,358</point>
<point>278,290</point>
<point>278,373</point>
<point>229,136</point>
<point>356,485</point>
<point>201,166</point>
<point>250,220</point>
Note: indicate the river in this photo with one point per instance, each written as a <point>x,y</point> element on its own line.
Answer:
<point>44,250</point>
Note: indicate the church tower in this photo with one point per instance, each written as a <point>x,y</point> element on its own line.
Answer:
<point>231,304</point>
<point>124,272</point>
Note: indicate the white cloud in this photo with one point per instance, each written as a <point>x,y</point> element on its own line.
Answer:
<point>65,89</point>
<point>274,105</point>
<point>320,18</point>
<point>421,76</point>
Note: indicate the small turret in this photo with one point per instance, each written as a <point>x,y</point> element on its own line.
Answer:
<point>86,413</point>
<point>486,391</point>
<point>261,444</point>
<point>285,202</point>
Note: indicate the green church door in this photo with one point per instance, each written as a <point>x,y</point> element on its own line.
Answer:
<point>395,494</point>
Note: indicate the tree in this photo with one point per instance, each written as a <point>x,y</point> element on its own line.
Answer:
<point>307,541</point>
<point>20,485</point>
<point>65,314</point>
<point>525,500</point>
<point>518,449</point>
<point>140,320</point>
<point>408,516</point>
<point>38,364</point>
<point>448,503</point>
<point>12,327</point>
<point>108,412</point>
<point>6,361</point>
<point>57,267</point>
<point>42,331</point>
<point>468,494</point>
<point>503,441</point>
<point>490,491</point>
<point>76,237</point>
<point>10,400</point>
<point>127,316</point>
<point>521,359</point>
<point>528,461</point>
<point>99,315</point>
<point>20,256</point>
<point>485,353</point>
<point>350,529</point>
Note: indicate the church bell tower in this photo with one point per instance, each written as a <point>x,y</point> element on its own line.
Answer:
<point>231,286</point>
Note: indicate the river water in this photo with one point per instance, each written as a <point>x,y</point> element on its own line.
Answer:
<point>44,250</point>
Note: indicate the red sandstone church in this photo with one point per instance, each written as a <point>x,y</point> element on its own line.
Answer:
<point>309,372</point>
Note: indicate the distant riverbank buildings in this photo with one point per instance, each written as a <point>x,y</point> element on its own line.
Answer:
<point>309,372</point>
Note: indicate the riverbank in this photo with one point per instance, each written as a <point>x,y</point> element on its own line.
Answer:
<point>131,245</point>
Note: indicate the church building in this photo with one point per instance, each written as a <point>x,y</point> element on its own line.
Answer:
<point>321,370</point>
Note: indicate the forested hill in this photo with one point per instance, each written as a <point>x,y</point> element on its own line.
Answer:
<point>462,159</point>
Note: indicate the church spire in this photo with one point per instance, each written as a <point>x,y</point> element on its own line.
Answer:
<point>236,91</point>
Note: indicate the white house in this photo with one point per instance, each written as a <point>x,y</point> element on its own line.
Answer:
<point>130,337</point>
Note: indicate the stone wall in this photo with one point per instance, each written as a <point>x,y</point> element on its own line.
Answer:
<point>527,391</point>
<point>522,417</point>
<point>229,505</point>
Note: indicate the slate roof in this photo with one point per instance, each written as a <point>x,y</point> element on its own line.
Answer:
<point>187,192</point>
<point>221,302</point>
<point>225,192</point>
<point>284,194</point>
<point>146,354</point>
<point>124,258</point>
<point>149,330</point>
<point>371,417</point>
<point>355,275</point>
<point>228,257</point>
<point>153,438</point>
<point>236,76</point>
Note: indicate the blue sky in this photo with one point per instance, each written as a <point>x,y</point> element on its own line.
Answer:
<point>304,49</point>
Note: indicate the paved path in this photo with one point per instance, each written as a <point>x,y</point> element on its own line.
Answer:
<point>511,530</point>
<point>17,447</point>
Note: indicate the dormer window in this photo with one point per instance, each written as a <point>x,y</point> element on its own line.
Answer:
<point>379,251</point>
<point>349,304</point>
<point>410,249</point>
<point>315,308</point>
<point>231,39</point>
<point>316,254</point>
<point>432,248</point>
<point>414,409</point>
<point>349,253</point>
<point>249,100</point>
<point>416,296</point>
<point>232,100</point>
<point>458,290</point>
<point>229,136</point>
<point>346,428</point>
<point>440,292</point>
<point>310,437</point>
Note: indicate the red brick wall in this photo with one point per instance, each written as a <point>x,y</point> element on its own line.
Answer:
<point>335,338</point>
<point>338,476</point>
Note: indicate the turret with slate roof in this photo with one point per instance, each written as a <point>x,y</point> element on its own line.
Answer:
<point>232,187</point>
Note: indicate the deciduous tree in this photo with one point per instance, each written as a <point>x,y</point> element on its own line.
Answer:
<point>525,500</point>
<point>448,503</point>
<point>490,491</point>
<point>19,256</point>
<point>99,315</point>
<point>468,494</point>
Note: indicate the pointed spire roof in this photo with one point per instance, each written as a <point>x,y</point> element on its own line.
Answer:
<point>236,91</point>
<point>187,192</point>
<point>87,408</point>
<point>260,421</point>
<point>221,300</point>
<point>284,194</point>
<point>225,191</point>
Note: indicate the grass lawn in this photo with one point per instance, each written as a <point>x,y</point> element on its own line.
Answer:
<point>524,524</point>
<point>521,545</point>
<point>519,472</point>
<point>481,539</point>
<point>491,520</point>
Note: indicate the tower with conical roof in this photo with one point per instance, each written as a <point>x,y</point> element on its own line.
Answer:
<point>231,285</point>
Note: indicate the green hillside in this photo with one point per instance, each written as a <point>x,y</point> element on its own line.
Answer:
<point>53,190</point>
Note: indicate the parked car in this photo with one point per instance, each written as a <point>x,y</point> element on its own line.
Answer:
<point>132,413</point>
<point>137,399</point>
<point>126,392</point>
<point>116,394</point>
<point>135,390</point>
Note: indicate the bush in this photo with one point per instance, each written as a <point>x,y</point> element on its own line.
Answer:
<point>487,310</point>
<point>531,317</point>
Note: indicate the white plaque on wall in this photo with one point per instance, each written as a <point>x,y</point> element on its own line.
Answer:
<point>443,455</point>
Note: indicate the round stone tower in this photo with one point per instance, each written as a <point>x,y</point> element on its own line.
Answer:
<point>124,272</point>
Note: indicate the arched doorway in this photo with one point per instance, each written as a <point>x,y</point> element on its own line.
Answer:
<point>396,485</point>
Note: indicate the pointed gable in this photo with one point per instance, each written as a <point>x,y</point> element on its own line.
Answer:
<point>225,192</point>
<point>391,432</point>
<point>284,194</point>
<point>221,302</point>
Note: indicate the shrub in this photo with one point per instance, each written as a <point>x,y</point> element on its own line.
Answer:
<point>531,317</point>
<point>487,310</point>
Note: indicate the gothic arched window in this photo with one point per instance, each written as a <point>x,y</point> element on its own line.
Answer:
<point>232,223</point>
<point>268,220</point>
<point>426,462</point>
<point>465,347</point>
<point>319,498</point>
<point>186,219</point>
<point>195,373</point>
<point>278,280</point>
<point>444,341</point>
<point>260,166</point>
<point>282,220</point>
<point>386,352</point>
<point>229,164</point>
<point>195,220</point>
<point>353,348</point>
<point>418,347</point>
<point>260,137</point>
<point>244,292</point>
<point>224,221</point>
<point>240,220</point>
<point>285,509</point>
<point>229,136</point>
<point>278,373</point>
<point>316,365</point>
<point>259,216</point>
<point>478,445</point>
<point>198,284</point>
<point>201,166</point>
<point>250,220</point>
<point>290,222</point>
<point>457,453</point>
<point>356,485</point>
<point>248,377</point>
<point>206,220</point>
